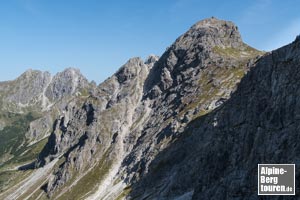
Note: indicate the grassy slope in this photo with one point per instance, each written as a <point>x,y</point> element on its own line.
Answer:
<point>13,136</point>
<point>13,145</point>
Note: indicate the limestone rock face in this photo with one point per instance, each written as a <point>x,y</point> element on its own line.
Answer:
<point>219,32</point>
<point>29,106</point>
<point>66,83</point>
<point>40,128</point>
<point>191,124</point>
<point>38,90</point>
<point>24,91</point>
<point>94,128</point>
<point>119,130</point>
<point>217,155</point>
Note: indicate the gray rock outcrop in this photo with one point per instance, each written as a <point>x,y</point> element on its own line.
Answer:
<point>217,156</point>
<point>191,124</point>
<point>31,103</point>
<point>143,108</point>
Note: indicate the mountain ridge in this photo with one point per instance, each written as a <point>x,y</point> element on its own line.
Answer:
<point>167,70</point>
<point>146,131</point>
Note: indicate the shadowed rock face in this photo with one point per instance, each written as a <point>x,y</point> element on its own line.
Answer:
<point>181,126</point>
<point>193,77</point>
<point>217,156</point>
<point>141,110</point>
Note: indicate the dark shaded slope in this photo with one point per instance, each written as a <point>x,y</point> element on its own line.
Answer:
<point>194,76</point>
<point>107,139</point>
<point>217,156</point>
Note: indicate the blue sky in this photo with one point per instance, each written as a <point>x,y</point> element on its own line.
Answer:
<point>99,36</point>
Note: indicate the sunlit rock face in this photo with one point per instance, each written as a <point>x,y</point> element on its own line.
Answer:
<point>191,124</point>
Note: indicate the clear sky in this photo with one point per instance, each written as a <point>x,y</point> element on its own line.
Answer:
<point>99,36</point>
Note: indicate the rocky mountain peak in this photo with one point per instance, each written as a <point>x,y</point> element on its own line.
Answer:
<point>72,71</point>
<point>32,74</point>
<point>212,32</point>
<point>207,44</point>
<point>129,69</point>
<point>29,72</point>
<point>70,74</point>
<point>151,59</point>
<point>65,83</point>
<point>39,89</point>
<point>153,117</point>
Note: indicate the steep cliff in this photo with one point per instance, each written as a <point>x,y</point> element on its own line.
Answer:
<point>107,141</point>
<point>181,126</point>
<point>27,113</point>
<point>217,156</point>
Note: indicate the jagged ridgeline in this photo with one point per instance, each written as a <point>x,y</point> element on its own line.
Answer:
<point>191,124</point>
<point>30,105</point>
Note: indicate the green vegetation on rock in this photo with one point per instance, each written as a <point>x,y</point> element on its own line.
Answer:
<point>245,51</point>
<point>13,136</point>
<point>90,181</point>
